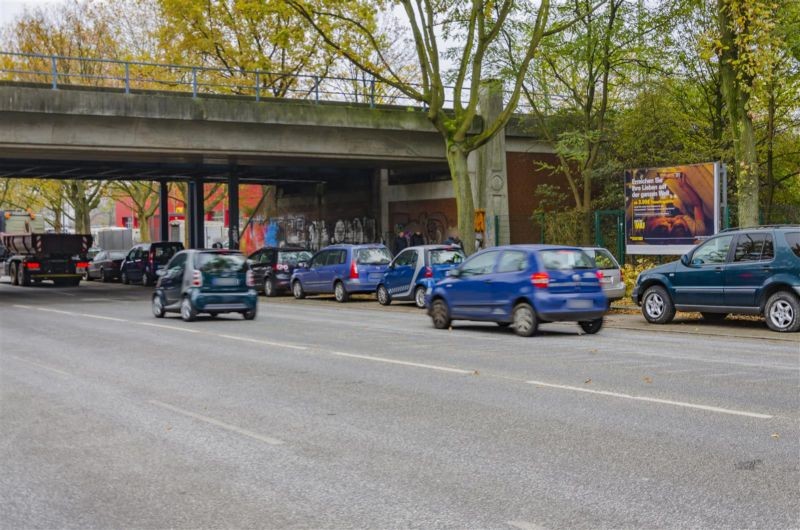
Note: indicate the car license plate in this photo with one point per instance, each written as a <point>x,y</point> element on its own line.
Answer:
<point>225,282</point>
<point>375,276</point>
<point>606,279</point>
<point>579,304</point>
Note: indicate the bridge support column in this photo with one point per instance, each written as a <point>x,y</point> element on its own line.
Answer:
<point>163,210</point>
<point>233,211</point>
<point>492,175</point>
<point>197,231</point>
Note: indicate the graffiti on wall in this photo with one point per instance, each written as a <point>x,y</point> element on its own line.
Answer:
<point>435,226</point>
<point>297,230</point>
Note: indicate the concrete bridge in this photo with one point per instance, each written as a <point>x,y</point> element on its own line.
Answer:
<point>98,133</point>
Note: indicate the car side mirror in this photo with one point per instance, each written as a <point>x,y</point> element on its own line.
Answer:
<point>302,265</point>
<point>685,260</point>
<point>455,273</point>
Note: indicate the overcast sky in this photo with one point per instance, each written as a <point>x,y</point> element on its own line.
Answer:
<point>9,9</point>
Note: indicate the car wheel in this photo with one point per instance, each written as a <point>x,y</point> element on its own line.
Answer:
<point>188,312</point>
<point>297,290</point>
<point>269,287</point>
<point>590,327</point>
<point>384,298</point>
<point>250,314</point>
<point>782,312</point>
<point>419,297</point>
<point>340,293</point>
<point>145,280</point>
<point>12,271</point>
<point>440,314</point>
<point>525,322</point>
<point>657,306</point>
<point>86,276</point>
<point>714,317</point>
<point>158,306</point>
<point>22,278</point>
<point>125,279</point>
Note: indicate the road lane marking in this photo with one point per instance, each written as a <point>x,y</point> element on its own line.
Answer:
<point>402,363</point>
<point>264,342</point>
<point>727,374</point>
<point>22,306</point>
<point>689,371</point>
<point>653,400</point>
<point>101,317</point>
<point>221,424</point>
<point>40,365</point>
<point>165,326</point>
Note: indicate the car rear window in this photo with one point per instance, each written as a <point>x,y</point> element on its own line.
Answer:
<point>215,262</point>
<point>293,257</point>
<point>162,254</point>
<point>116,255</point>
<point>446,257</point>
<point>565,259</point>
<point>605,260</point>
<point>373,256</point>
<point>793,238</point>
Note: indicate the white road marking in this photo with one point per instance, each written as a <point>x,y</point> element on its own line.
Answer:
<point>22,306</point>
<point>221,424</point>
<point>653,400</point>
<point>264,342</point>
<point>40,365</point>
<point>403,363</point>
<point>165,326</point>
<point>692,370</point>
<point>101,317</point>
<point>727,374</point>
<point>525,525</point>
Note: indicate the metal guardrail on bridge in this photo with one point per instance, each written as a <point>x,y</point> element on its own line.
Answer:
<point>129,77</point>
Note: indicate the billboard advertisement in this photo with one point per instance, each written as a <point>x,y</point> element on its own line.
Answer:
<point>668,210</point>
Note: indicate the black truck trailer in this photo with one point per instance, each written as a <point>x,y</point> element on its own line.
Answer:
<point>33,257</point>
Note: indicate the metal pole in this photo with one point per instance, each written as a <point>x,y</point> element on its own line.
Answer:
<point>316,89</point>
<point>598,237</point>
<point>233,210</point>
<point>163,209</point>
<point>191,214</point>
<point>200,214</point>
<point>258,86</point>
<point>54,70</point>
<point>372,93</point>
<point>127,78</point>
<point>194,82</point>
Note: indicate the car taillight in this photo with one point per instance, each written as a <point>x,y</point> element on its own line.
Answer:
<point>280,267</point>
<point>33,265</point>
<point>197,279</point>
<point>353,270</point>
<point>249,279</point>
<point>540,280</point>
<point>600,275</point>
<point>428,272</point>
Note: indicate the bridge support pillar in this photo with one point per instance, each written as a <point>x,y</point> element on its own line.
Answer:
<point>233,211</point>
<point>197,230</point>
<point>163,210</point>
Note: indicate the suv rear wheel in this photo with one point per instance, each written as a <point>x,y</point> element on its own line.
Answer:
<point>782,312</point>
<point>657,306</point>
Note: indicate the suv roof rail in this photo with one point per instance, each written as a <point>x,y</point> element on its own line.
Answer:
<point>758,227</point>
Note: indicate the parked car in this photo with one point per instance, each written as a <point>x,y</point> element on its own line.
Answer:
<point>414,270</point>
<point>342,270</point>
<point>273,267</point>
<point>747,271</point>
<point>205,281</point>
<point>521,286</point>
<point>612,281</point>
<point>145,259</point>
<point>105,265</point>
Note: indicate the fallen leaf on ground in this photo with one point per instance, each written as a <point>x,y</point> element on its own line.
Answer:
<point>648,379</point>
<point>588,381</point>
<point>776,435</point>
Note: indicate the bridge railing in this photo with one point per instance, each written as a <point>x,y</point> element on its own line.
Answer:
<point>129,77</point>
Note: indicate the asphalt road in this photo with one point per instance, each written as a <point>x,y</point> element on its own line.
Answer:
<point>322,415</point>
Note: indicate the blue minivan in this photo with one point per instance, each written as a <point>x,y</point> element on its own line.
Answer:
<point>521,286</point>
<point>342,270</point>
<point>414,270</point>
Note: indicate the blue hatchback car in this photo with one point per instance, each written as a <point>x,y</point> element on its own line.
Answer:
<point>414,270</point>
<point>522,286</point>
<point>342,270</point>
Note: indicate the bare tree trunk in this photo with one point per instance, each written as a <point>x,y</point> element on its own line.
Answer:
<point>465,202</point>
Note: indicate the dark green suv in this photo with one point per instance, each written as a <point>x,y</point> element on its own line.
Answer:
<point>747,270</point>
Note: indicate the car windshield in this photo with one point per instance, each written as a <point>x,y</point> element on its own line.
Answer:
<point>446,257</point>
<point>373,256</point>
<point>216,262</point>
<point>293,257</point>
<point>566,259</point>
<point>116,255</point>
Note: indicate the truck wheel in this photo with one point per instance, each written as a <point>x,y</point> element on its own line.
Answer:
<point>23,279</point>
<point>12,271</point>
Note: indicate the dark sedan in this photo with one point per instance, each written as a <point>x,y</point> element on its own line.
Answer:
<point>272,267</point>
<point>105,265</point>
